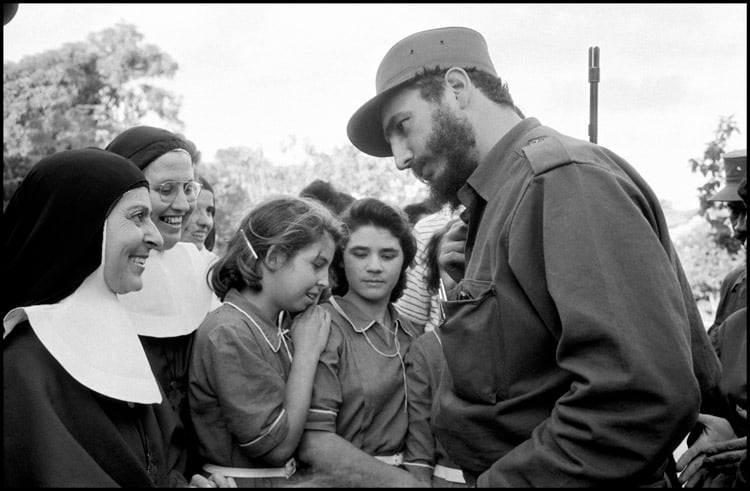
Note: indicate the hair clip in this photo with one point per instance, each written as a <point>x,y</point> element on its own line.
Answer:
<point>249,245</point>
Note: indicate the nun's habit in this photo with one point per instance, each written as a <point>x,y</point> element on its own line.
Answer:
<point>176,295</point>
<point>81,406</point>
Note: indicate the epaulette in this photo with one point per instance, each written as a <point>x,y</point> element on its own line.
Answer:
<point>545,153</point>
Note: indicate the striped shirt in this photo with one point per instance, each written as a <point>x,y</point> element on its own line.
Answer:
<point>417,304</point>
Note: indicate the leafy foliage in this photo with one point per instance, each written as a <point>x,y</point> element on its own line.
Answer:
<point>242,177</point>
<point>80,95</point>
<point>704,263</point>
<point>711,167</point>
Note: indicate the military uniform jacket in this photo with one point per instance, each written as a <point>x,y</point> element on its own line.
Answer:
<point>568,342</point>
<point>732,297</point>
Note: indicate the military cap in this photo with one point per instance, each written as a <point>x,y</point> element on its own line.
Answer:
<point>735,169</point>
<point>444,47</point>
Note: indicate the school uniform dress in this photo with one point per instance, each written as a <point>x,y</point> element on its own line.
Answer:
<point>359,391</point>
<point>576,355</point>
<point>238,372</point>
<point>424,364</point>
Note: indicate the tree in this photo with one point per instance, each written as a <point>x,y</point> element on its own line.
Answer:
<point>705,264</point>
<point>237,176</point>
<point>361,175</point>
<point>80,95</point>
<point>710,166</point>
<point>242,177</point>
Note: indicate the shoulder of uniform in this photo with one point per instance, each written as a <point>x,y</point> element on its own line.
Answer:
<point>546,152</point>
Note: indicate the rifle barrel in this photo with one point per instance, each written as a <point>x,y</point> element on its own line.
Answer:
<point>594,92</point>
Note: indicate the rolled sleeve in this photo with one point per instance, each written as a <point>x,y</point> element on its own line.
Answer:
<point>269,439</point>
<point>327,396</point>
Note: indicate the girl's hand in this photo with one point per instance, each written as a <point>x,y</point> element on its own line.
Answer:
<point>213,481</point>
<point>310,330</point>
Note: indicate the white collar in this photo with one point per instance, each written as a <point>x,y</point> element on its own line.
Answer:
<point>281,333</point>
<point>94,340</point>
<point>175,296</point>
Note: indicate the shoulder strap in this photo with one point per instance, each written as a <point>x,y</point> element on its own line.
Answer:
<point>545,153</point>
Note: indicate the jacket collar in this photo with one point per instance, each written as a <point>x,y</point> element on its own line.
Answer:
<point>487,178</point>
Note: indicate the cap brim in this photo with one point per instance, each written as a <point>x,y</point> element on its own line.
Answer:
<point>727,193</point>
<point>365,130</point>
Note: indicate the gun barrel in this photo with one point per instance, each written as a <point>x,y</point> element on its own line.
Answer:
<point>594,92</point>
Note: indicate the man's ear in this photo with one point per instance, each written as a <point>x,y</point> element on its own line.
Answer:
<point>275,258</point>
<point>459,85</point>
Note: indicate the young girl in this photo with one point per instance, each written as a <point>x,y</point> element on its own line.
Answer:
<point>249,385</point>
<point>357,420</point>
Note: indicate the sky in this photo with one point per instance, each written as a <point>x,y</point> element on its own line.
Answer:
<point>261,75</point>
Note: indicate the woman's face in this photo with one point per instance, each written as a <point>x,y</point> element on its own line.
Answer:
<point>201,221</point>
<point>130,235</point>
<point>372,262</point>
<point>176,168</point>
<point>301,280</point>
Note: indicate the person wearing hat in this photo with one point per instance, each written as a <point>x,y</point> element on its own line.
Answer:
<point>733,291</point>
<point>576,354</point>
<point>717,457</point>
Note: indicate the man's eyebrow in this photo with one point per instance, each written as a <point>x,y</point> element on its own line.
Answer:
<point>391,123</point>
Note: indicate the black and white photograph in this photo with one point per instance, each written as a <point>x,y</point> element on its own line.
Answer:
<point>349,245</point>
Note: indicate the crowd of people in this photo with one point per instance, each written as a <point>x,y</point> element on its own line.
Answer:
<point>530,325</point>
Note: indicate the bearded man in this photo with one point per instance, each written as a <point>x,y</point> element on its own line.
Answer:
<point>576,354</point>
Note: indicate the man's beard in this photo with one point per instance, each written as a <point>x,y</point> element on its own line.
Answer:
<point>453,139</point>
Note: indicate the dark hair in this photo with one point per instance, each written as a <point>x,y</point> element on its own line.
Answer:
<point>431,253</point>
<point>285,222</point>
<point>211,236</point>
<point>323,191</point>
<point>415,211</point>
<point>431,85</point>
<point>371,211</point>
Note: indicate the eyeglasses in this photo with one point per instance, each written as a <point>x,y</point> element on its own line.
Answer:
<point>168,190</point>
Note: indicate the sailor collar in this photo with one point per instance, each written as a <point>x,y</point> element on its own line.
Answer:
<point>274,334</point>
<point>360,323</point>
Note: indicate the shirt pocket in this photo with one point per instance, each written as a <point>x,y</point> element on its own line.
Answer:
<point>471,343</point>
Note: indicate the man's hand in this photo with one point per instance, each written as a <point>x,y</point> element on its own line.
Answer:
<point>451,258</point>
<point>691,464</point>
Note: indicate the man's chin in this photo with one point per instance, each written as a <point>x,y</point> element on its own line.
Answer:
<point>442,196</point>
